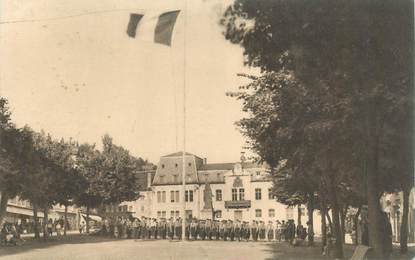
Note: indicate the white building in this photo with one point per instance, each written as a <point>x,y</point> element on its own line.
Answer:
<point>240,191</point>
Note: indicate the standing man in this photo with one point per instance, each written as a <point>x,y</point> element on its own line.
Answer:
<point>238,230</point>
<point>208,227</point>
<point>254,230</point>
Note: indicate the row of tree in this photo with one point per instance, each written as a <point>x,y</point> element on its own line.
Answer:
<point>46,171</point>
<point>332,109</point>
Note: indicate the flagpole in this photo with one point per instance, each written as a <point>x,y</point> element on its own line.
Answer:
<point>184,124</point>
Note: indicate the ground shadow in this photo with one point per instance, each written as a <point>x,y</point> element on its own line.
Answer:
<point>31,243</point>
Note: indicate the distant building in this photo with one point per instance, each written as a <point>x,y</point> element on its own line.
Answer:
<point>19,210</point>
<point>240,191</point>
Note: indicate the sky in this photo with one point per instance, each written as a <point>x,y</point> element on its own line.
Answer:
<point>71,70</point>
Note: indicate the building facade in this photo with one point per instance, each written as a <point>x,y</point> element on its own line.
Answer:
<point>237,191</point>
<point>21,211</point>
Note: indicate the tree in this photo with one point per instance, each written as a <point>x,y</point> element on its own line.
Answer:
<point>354,59</point>
<point>89,164</point>
<point>10,150</point>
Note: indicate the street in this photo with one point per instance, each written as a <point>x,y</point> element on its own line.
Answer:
<point>104,248</point>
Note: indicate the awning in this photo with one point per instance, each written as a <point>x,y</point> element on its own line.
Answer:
<point>23,211</point>
<point>93,217</point>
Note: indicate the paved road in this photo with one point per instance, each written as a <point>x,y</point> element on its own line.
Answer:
<point>130,249</point>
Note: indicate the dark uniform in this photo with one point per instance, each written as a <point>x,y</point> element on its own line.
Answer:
<point>170,229</point>
<point>202,230</point>
<point>178,229</point>
<point>208,227</point>
<point>254,231</point>
<point>238,231</point>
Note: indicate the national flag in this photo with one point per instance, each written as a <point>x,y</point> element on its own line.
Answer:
<point>164,28</point>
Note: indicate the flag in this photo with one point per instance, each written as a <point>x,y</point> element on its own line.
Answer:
<point>164,28</point>
<point>132,24</point>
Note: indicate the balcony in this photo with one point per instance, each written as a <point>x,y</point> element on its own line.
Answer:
<point>237,204</point>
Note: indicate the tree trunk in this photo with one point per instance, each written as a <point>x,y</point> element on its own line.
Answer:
<point>376,225</point>
<point>343,214</point>
<point>298,215</point>
<point>36,222</point>
<point>45,223</point>
<point>65,220</point>
<point>337,231</point>
<point>323,212</point>
<point>3,207</point>
<point>356,224</point>
<point>310,225</point>
<point>329,220</point>
<point>87,220</point>
<point>376,236</point>
<point>404,224</point>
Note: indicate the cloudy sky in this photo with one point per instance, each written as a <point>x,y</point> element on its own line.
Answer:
<point>71,70</point>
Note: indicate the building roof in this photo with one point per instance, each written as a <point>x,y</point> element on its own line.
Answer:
<point>211,176</point>
<point>226,166</point>
<point>216,166</point>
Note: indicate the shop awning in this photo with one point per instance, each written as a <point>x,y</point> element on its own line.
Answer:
<point>23,211</point>
<point>93,217</point>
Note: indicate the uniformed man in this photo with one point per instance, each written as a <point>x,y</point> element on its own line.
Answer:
<point>254,230</point>
<point>202,229</point>
<point>270,231</point>
<point>238,230</point>
<point>278,231</point>
<point>193,228</point>
<point>170,228</point>
<point>217,229</point>
<point>231,230</point>
<point>178,228</point>
<point>222,230</point>
<point>187,229</point>
<point>208,227</point>
<point>262,230</point>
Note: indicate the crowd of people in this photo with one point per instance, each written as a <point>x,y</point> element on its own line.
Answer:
<point>198,229</point>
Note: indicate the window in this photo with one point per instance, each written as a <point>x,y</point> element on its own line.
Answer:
<point>258,173</point>
<point>218,213</point>
<point>190,164</point>
<point>163,214</point>
<point>241,194</point>
<point>158,214</point>
<point>175,178</point>
<point>172,196</point>
<point>177,213</point>
<point>161,179</point>
<point>130,208</point>
<point>218,195</point>
<point>258,194</point>
<point>270,195</point>
<point>188,196</point>
<point>162,166</point>
<point>142,208</point>
<point>258,213</point>
<point>163,196</point>
<point>158,196</point>
<point>172,213</point>
<point>271,213</point>
<point>177,196</point>
<point>234,194</point>
<point>176,165</point>
<point>290,213</point>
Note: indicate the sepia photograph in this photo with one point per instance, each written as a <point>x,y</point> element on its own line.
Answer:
<point>207,129</point>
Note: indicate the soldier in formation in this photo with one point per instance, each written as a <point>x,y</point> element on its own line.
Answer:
<point>197,229</point>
